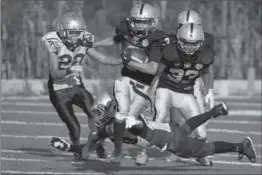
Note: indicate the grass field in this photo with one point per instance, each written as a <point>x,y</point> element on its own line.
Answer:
<point>27,126</point>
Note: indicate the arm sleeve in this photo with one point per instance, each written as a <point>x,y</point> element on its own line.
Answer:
<point>208,57</point>
<point>209,40</point>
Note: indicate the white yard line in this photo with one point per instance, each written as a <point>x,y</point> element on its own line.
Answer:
<point>217,130</point>
<point>16,122</point>
<point>6,103</point>
<point>249,113</point>
<point>188,160</point>
<point>37,137</point>
<point>49,173</point>
<point>92,155</point>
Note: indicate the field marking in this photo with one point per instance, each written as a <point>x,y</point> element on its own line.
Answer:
<point>22,159</point>
<point>16,122</point>
<point>234,131</point>
<point>6,103</point>
<point>92,155</point>
<point>65,138</point>
<point>49,172</point>
<point>182,159</point>
<point>86,126</point>
<point>249,113</point>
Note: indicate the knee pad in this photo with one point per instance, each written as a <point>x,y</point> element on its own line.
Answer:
<point>120,117</point>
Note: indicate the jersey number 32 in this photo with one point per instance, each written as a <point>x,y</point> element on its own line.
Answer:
<point>177,75</point>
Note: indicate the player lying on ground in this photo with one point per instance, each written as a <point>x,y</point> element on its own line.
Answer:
<point>167,137</point>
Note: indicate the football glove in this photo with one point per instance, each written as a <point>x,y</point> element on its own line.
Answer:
<point>126,56</point>
<point>76,69</point>
<point>87,39</point>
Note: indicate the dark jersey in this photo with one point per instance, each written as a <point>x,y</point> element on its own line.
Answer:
<point>164,136</point>
<point>180,72</point>
<point>151,45</point>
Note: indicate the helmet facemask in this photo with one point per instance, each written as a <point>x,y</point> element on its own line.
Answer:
<point>190,39</point>
<point>71,28</point>
<point>141,27</point>
<point>189,48</point>
<point>101,115</point>
<point>72,37</point>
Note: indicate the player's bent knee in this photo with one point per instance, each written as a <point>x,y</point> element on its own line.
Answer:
<point>120,117</point>
<point>201,132</point>
<point>206,150</point>
<point>161,115</point>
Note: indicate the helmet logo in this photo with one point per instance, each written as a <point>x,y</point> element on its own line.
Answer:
<point>74,24</point>
<point>199,66</point>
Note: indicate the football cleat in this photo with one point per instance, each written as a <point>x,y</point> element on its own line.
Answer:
<point>205,161</point>
<point>60,144</point>
<point>141,159</point>
<point>221,109</point>
<point>101,152</point>
<point>248,150</point>
<point>78,157</point>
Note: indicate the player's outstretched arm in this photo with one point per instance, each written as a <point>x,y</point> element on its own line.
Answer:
<point>208,79</point>
<point>103,59</point>
<point>105,42</point>
<point>149,68</point>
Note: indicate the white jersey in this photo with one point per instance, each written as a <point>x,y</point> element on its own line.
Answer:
<point>66,58</point>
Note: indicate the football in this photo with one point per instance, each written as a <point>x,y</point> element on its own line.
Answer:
<point>136,54</point>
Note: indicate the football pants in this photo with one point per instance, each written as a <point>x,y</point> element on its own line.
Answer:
<point>130,102</point>
<point>186,103</point>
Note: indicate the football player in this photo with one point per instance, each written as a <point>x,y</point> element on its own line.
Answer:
<point>67,47</point>
<point>137,35</point>
<point>182,63</point>
<point>172,138</point>
<point>203,88</point>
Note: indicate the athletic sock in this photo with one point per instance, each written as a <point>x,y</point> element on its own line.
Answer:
<point>224,147</point>
<point>76,148</point>
<point>200,119</point>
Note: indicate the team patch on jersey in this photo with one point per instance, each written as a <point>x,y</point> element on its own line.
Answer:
<point>199,66</point>
<point>52,44</point>
<point>145,43</point>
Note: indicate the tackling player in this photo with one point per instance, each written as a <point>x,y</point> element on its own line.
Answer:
<point>172,138</point>
<point>137,35</point>
<point>67,47</point>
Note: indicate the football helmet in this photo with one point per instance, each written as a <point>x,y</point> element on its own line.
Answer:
<point>103,109</point>
<point>142,20</point>
<point>188,16</point>
<point>190,38</point>
<point>71,27</point>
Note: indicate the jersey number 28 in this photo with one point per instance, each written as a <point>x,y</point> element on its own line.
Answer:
<point>66,60</point>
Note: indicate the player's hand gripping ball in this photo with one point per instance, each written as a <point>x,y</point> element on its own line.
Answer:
<point>134,54</point>
<point>87,39</point>
<point>76,69</point>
